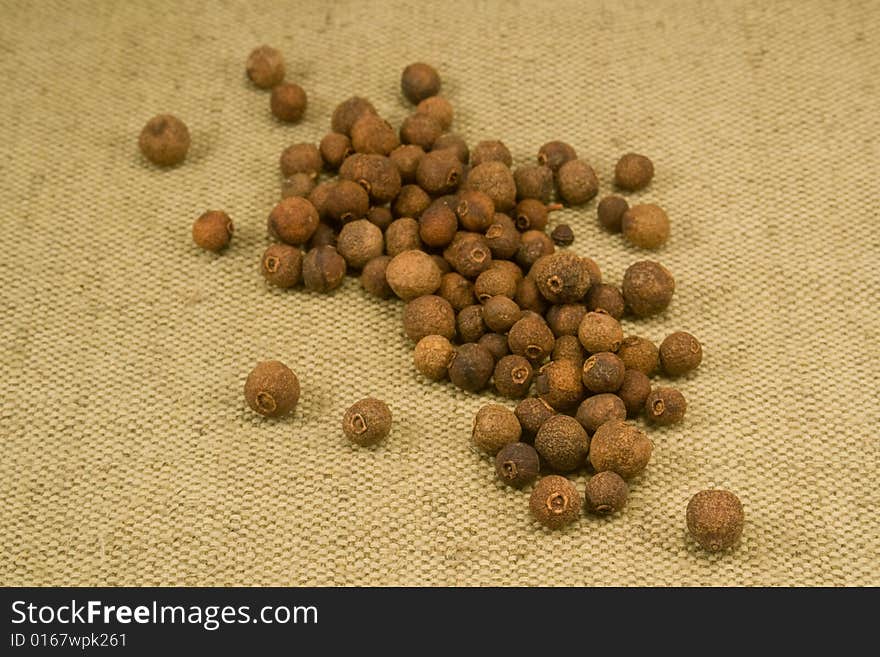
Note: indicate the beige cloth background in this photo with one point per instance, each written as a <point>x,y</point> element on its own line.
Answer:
<point>128,455</point>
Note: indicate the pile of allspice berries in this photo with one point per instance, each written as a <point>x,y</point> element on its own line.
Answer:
<point>490,300</point>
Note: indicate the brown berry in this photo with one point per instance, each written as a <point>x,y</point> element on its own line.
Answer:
<point>293,220</point>
<point>265,67</point>
<point>531,337</point>
<point>568,347</point>
<point>421,130</point>
<point>633,172</point>
<point>532,413</point>
<point>680,353</point>
<point>665,406</point>
<point>469,254</point>
<point>496,181</point>
<point>472,367</point>
<point>528,297</point>
<point>491,151</point>
<point>634,391</point>
<point>502,237</point>
<point>413,274</point>
<point>439,172</point>
<point>432,356</point>
<point>648,288</point>
<point>715,519</point>
<point>603,372</point>
<point>439,109</point>
<point>470,323</point>
<point>562,443</point>
<point>640,354</point>
<point>288,102</point>
<point>380,216</point>
<point>559,384</point>
<point>372,134</point>
<point>428,315</point>
<point>299,184</point>
<point>323,269</point>
<point>402,235</point>
<point>406,158</point>
<point>367,422</point>
<point>495,282</point>
<point>500,313</point>
<point>606,493</point>
<point>375,173</point>
<point>511,268</point>
<point>324,235</point>
<point>517,464</point>
<point>281,265</point>
<point>272,389</point>
<point>513,376</point>
<point>475,210</point>
<point>620,447</point>
<point>348,112</point>
<point>496,343</point>
<point>597,410</point>
<point>412,201</point>
<point>576,182</point>
<point>562,235</point>
<point>334,148</point>
<point>419,81</point>
<point>554,154</point>
<point>599,331</point>
<point>213,230</point>
<point>301,158</point>
<point>318,196</point>
<point>608,298</point>
<point>494,427</point>
<point>347,201</point>
<point>610,212</point>
<point>534,244</point>
<point>359,242</point>
<point>450,141</point>
<point>531,214</point>
<point>457,290</point>
<point>561,277</point>
<point>164,140</point>
<point>373,277</point>
<point>555,502</point>
<point>646,226</point>
<point>533,181</point>
<point>437,224</point>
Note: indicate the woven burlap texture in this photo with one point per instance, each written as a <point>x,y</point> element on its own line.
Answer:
<point>128,454</point>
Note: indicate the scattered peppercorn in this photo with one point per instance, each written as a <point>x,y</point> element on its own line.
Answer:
<point>566,318</point>
<point>533,181</point>
<point>500,313</point>
<point>513,376</point>
<point>494,427</point>
<point>620,447</point>
<point>680,353</point>
<point>469,254</point>
<point>555,502</point>
<point>288,102</point>
<point>633,172</point>
<point>439,109</point>
<point>648,288</point>
<point>164,140</point>
<point>323,269</point>
<point>517,464</point>
<point>606,493</point>
<point>665,406</point>
<point>432,356</point>
<point>640,354</point>
<point>212,230</point>
<point>559,384</point>
<point>562,235</point>
<point>272,389</point>
<point>324,235</point>
<point>282,265</point>
<point>561,277</point>
<point>646,226</point>
<point>634,391</point>
<point>265,67</point>
<point>380,216</point>
<point>428,315</point>
<point>334,148</point>
<point>562,443</point>
<point>554,154</point>
<point>373,277</point>
<point>715,519</point>
<point>419,81</point>
<point>406,158</point>
<point>608,298</point>
<point>576,182</point>
<point>528,297</point>
<point>367,422</point>
<point>475,210</point>
<point>301,158</point>
<point>471,367</point>
<point>610,212</point>
<point>491,151</point>
<point>603,372</point>
<point>413,274</point>
<point>293,220</point>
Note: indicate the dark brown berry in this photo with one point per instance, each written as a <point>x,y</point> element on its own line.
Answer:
<point>640,354</point>
<point>517,464</point>
<point>576,182</point>
<point>402,235</point>
<point>532,413</point>
<point>597,410</point>
<point>599,331</point>
<point>606,493</point>
<point>634,391</point>
<point>648,288</point>
<point>406,158</point>
<point>375,173</point>
<point>324,235</point>
<point>608,298</point>
<point>494,426</point>
<point>439,109</point>
<point>528,297</point>
<point>646,226</point>
<point>534,244</point>
<point>532,338</point>
<point>680,353</point>
<point>281,265</point>
<point>367,422</point>
<point>437,224</point>
<point>419,81</point>
<point>513,376</point>
<point>413,274</point>
<point>455,143</point>
<point>372,134</point>
<point>500,313</point>
<point>475,210</point>
<point>559,384</point>
<point>272,389</point>
<point>348,112</point>
<point>301,158</point>
<point>412,201</point>
<point>288,102</point>
<point>491,151</point>
<point>318,196</point>
<point>511,268</point>
<point>495,282</point>
<point>323,269</point>
<point>359,242</point>
<point>565,319</point>
<point>533,181</point>
<point>346,201</point>
<point>555,502</point>
<point>620,447</point>
<point>568,347</point>
<point>715,519</point>
<point>496,181</point>
<point>554,154</point>
<point>457,290</point>
<point>470,323</point>
<point>562,235</point>
<point>610,212</point>
<point>213,230</point>
<point>428,315</point>
<point>665,406</point>
<point>373,277</point>
<point>633,172</point>
<point>531,214</point>
<point>164,140</point>
<point>380,216</point>
<point>502,237</point>
<point>468,254</point>
<point>421,130</point>
<point>293,220</point>
<point>439,172</point>
<point>562,443</point>
<point>334,148</point>
<point>496,343</point>
<point>432,356</point>
<point>603,372</point>
<point>593,268</point>
<point>299,184</point>
<point>561,277</point>
<point>265,67</point>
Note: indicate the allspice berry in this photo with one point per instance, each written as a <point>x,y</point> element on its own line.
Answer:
<point>559,384</point>
<point>432,356</point>
<point>318,196</point>
<point>475,210</point>
<point>665,406</point>
<point>568,347</point>
<point>406,158</point>
<point>372,134</point>
<point>402,235</point>
<point>272,389</point>
<point>491,151</point>
<point>421,130</point>
<point>503,237</point>
<point>345,202</point>
<point>531,214</point>
<point>640,354</point>
<point>634,391</point>
<point>531,337</point>
<point>428,315</point>
<point>281,265</point>
<point>373,278</point>
<point>599,331</point>
<point>367,422</point>
<point>562,443</point>
<point>610,212</point>
<point>532,413</point>
<point>561,277</point>
<point>469,254</point>
<point>554,154</point>
<point>437,224</point>
<point>293,220</point>
<point>470,324</point>
<point>513,376</point>
<point>324,235</point>
<point>494,282</point>
<point>496,181</point>
<point>576,182</point>
<point>413,274</point>
<point>566,318</point>
<point>517,464</point>
<point>439,172</point>
<point>301,158</point>
<point>288,102</point>
<point>334,148</point>
<point>646,226</point>
<point>715,519</point>
<point>603,372</point>
<point>562,235</point>
<point>494,427</point>
<point>533,181</point>
<point>606,493</point>
<point>633,172</point>
<point>348,112</point>
<point>457,290</point>
<point>375,173</point>
<point>496,343</point>
<point>680,353</point>
<point>412,201</point>
<point>359,242</point>
<point>419,81</point>
<point>534,244</point>
<point>620,447</point>
<point>500,313</point>
<point>555,502</point>
<point>597,410</point>
<point>528,297</point>
<point>212,230</point>
<point>164,140</point>
<point>471,367</point>
<point>265,67</point>
<point>323,269</point>
<point>439,109</point>
<point>454,143</point>
<point>379,216</point>
<point>647,288</point>
<point>608,298</point>
<point>299,184</point>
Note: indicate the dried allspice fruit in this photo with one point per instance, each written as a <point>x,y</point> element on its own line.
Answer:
<point>562,443</point>
<point>610,212</point>
<point>513,376</point>
<point>428,315</point>
<point>293,220</point>
<point>472,367</point>
<point>606,493</point>
<point>281,265</point>
<point>475,210</point>
<point>495,282</point>
<point>603,372</point>
<point>599,331</point>
<point>375,173</point>
<point>528,297</point>
<point>348,112</point>
<point>532,413</point>
<point>503,237</point>
<point>371,134</point>
<point>638,353</point>
<point>565,318</point>
<point>334,148</point>
<point>647,288</point>
<point>380,216</point>
<point>608,298</point>
<point>402,235</point>
<point>620,447</point>
<point>359,242</point>
<point>496,343</point>
<point>439,172</point>
<point>432,356</point>
<point>299,184</point>
<point>576,182</point>
<point>494,427</point>
<point>633,172</point>
<point>491,151</point>
<point>634,391</point>
<point>450,141</point>
<point>533,181</point>
<point>568,347</point>
<point>531,337</point>
<point>439,109</point>
<point>412,201</point>
<point>406,158</point>
<point>323,269</point>
<point>496,181</point>
<point>301,158</point>
<point>469,254</point>
<point>164,140</point>
<point>265,67</point>
<point>665,406</point>
<point>500,313</point>
<point>367,422</point>
<point>470,324</point>
<point>457,290</point>
<point>562,235</point>
<point>646,226</point>
<point>554,154</point>
<point>715,519</point>
<point>419,81</point>
<point>680,353</point>
<point>413,274</point>
<point>288,102</point>
<point>324,235</point>
<point>517,464</point>
<point>373,278</point>
<point>597,410</point>
<point>561,277</point>
<point>555,502</point>
<point>421,130</point>
<point>559,384</point>
<point>272,389</point>
<point>213,230</point>
<point>531,214</point>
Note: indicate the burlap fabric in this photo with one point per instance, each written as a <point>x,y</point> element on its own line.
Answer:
<point>128,455</point>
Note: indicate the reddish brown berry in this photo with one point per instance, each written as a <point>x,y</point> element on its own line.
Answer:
<point>646,226</point>
<point>554,154</point>
<point>301,158</point>
<point>367,422</point>
<point>471,368</point>
<point>419,81</point>
<point>491,151</point>
<point>633,172</point>
<point>272,389</point>
<point>517,464</point>
<point>375,173</point>
<point>665,406</point>
<point>213,230</point>
<point>164,140</point>
<point>610,212</point>
<point>576,182</point>
<point>680,353</point>
<point>513,376</point>
<point>439,109</point>
<point>413,274</point>
<point>606,493</point>
<point>715,519</point>
<point>555,502</point>
<point>288,102</point>
<point>562,443</point>
<point>621,448</point>
<point>432,356</point>
<point>648,288</point>
<point>334,148</point>
<point>496,181</point>
<point>597,410</point>
<point>373,277</point>
<point>428,315</point>
<point>281,265</point>
<point>265,67</point>
<point>603,372</point>
<point>348,112</point>
<point>323,269</point>
<point>293,220</point>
